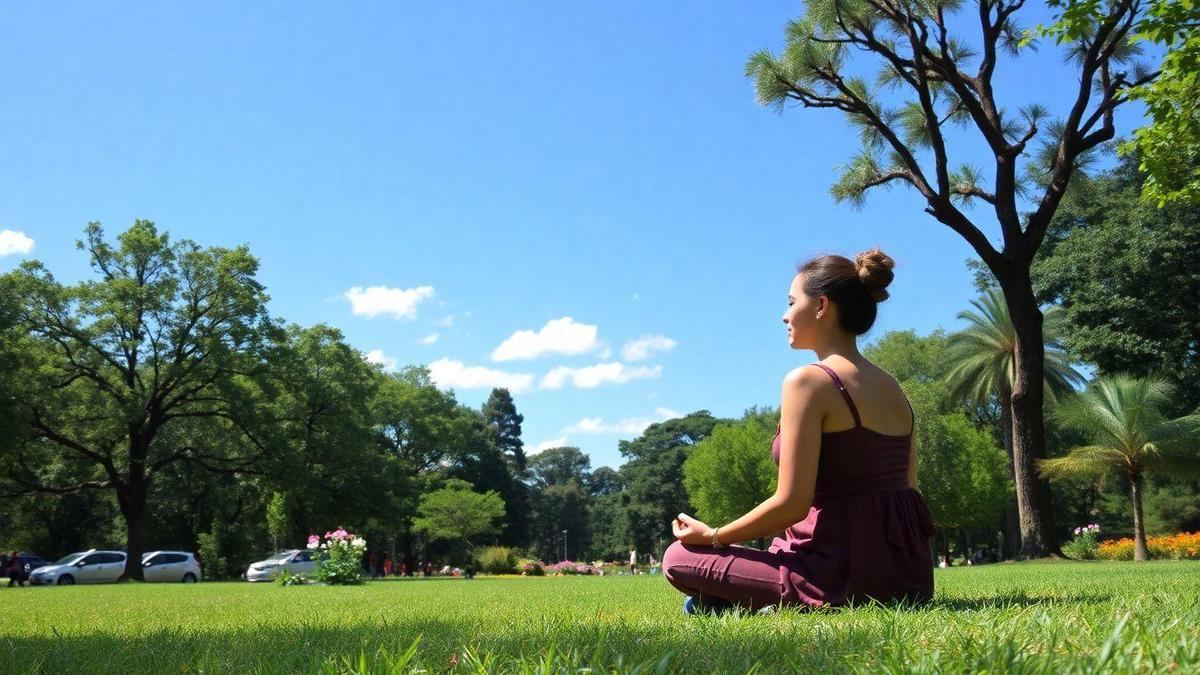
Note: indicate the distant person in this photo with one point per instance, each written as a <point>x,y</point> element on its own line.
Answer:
<point>854,525</point>
<point>15,570</point>
<point>373,565</point>
<point>387,565</point>
<point>633,561</point>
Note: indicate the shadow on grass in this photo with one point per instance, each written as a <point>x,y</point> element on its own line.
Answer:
<point>1017,600</point>
<point>547,645</point>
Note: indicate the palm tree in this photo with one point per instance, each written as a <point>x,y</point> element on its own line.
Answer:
<point>982,365</point>
<point>1124,418</point>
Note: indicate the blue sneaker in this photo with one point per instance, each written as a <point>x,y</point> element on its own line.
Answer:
<point>689,605</point>
<point>698,605</point>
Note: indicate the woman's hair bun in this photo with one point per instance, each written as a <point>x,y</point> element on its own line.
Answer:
<point>874,269</point>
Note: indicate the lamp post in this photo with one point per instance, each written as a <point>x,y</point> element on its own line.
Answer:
<point>565,545</point>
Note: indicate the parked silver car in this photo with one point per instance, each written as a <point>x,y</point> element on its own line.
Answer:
<point>86,567</point>
<point>171,566</point>
<point>295,561</point>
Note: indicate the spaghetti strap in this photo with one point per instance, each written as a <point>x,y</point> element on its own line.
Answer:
<point>845,394</point>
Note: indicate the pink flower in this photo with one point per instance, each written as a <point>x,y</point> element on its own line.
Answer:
<point>314,539</point>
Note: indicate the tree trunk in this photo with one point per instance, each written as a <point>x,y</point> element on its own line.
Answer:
<point>1012,521</point>
<point>132,500</point>
<point>1038,537</point>
<point>1139,523</point>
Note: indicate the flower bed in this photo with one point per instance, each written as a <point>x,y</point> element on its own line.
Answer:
<point>568,567</point>
<point>1181,546</point>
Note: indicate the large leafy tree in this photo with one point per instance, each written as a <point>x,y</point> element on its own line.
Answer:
<point>324,452</point>
<point>457,513</point>
<point>559,466</point>
<point>1124,418</point>
<point>167,334</point>
<point>732,471</point>
<point>561,496</point>
<point>961,471</point>
<point>419,427</point>
<point>1127,274</point>
<point>653,473</point>
<point>927,79</point>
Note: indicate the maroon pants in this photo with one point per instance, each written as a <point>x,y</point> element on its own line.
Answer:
<point>737,574</point>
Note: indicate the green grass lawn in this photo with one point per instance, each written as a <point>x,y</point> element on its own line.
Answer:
<point>1037,617</point>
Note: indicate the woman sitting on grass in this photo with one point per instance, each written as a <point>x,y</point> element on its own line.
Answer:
<point>854,526</point>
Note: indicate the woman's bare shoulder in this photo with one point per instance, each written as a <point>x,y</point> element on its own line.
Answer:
<point>805,376</point>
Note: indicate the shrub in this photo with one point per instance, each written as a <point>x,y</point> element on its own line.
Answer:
<point>531,568</point>
<point>341,557</point>
<point>1083,546</point>
<point>286,578</point>
<point>497,559</point>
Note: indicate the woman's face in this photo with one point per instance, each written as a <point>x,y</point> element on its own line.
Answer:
<point>802,315</point>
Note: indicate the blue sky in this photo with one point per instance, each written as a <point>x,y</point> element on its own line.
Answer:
<point>539,185</point>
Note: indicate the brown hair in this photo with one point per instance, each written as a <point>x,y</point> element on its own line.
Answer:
<point>857,287</point>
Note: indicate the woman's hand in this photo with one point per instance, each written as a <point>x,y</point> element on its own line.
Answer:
<point>691,531</point>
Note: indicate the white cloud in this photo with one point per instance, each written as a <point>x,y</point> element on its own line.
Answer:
<point>446,322</point>
<point>399,303</point>
<point>377,357</point>
<point>451,374</point>
<point>429,339</point>
<point>646,346</point>
<point>559,442</point>
<point>559,336</point>
<point>14,241</point>
<point>630,426</point>
<point>594,376</point>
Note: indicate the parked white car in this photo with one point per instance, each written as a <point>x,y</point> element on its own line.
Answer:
<point>171,566</point>
<point>86,567</point>
<point>295,561</point>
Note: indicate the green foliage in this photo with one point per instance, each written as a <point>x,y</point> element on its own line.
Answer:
<point>213,552</point>
<point>286,578</point>
<point>559,466</point>
<point>278,523</point>
<point>1169,146</point>
<point>497,559</point>
<point>455,512</point>
<point>731,471</point>
<point>1124,419</point>
<point>531,568</point>
<point>340,562</point>
<point>502,418</point>
<point>118,370</point>
<point>961,471</point>
<point>1127,275</point>
<point>982,356</point>
<point>558,507</point>
<point>653,473</point>
<point>1083,545</point>
<point>909,357</point>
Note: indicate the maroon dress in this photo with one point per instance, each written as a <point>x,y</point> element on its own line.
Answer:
<point>866,536</point>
